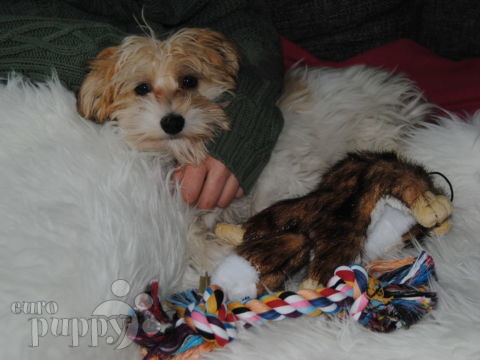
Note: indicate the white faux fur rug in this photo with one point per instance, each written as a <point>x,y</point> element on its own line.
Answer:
<point>79,210</point>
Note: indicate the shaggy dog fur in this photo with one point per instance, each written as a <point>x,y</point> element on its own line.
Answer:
<point>166,95</point>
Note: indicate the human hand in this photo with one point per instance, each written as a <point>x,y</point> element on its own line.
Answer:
<point>208,184</point>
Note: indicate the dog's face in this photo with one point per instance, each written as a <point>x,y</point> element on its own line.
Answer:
<point>165,95</point>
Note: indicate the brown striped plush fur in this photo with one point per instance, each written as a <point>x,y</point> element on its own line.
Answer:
<point>328,226</point>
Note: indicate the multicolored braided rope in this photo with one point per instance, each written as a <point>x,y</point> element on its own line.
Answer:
<point>395,299</point>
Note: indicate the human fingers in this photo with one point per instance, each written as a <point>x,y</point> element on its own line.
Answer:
<point>229,191</point>
<point>239,193</point>
<point>215,181</point>
<point>192,183</point>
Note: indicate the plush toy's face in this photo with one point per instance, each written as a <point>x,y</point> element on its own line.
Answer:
<point>165,95</point>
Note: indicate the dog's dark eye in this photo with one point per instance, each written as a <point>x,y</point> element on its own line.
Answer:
<point>142,89</point>
<point>189,82</point>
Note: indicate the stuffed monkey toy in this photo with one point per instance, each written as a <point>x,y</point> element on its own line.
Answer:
<point>366,204</point>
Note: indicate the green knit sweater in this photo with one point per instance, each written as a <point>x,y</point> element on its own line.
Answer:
<point>37,36</point>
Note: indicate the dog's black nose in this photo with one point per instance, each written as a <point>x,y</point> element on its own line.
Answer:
<point>172,123</point>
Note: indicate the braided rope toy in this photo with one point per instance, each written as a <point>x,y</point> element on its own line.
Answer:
<point>398,298</point>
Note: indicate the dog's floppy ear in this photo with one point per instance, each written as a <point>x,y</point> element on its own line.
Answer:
<point>211,47</point>
<point>96,93</point>
<point>219,50</point>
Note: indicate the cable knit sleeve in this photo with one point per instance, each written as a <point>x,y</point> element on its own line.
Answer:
<point>257,123</point>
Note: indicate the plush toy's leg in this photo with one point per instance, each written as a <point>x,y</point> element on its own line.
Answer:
<point>276,279</point>
<point>430,210</point>
<point>229,233</point>
<point>275,257</point>
<point>328,252</point>
<point>253,271</point>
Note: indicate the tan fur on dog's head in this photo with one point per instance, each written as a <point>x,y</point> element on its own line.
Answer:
<point>152,87</point>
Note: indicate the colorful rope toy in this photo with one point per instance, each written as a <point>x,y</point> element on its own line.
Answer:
<point>395,299</point>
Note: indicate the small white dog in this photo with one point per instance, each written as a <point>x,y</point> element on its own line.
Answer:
<point>165,96</point>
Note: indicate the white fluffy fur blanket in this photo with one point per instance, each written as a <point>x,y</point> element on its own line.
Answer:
<point>79,210</point>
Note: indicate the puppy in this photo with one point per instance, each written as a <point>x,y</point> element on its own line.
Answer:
<point>169,96</point>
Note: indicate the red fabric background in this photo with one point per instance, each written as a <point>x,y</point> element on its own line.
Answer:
<point>454,85</point>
